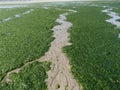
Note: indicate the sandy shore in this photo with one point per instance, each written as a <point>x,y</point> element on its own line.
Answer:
<point>32,1</point>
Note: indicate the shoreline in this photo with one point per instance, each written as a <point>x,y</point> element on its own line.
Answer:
<point>36,1</point>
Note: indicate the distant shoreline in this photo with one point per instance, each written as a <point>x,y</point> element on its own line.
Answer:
<point>35,1</point>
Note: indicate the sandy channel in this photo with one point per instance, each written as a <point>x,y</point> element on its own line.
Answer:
<point>59,77</point>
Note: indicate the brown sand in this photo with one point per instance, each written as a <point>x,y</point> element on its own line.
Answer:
<point>60,75</point>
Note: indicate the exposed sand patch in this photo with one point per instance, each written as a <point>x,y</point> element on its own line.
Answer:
<point>114,18</point>
<point>60,75</point>
<point>71,10</point>
<point>16,16</point>
<point>6,19</point>
<point>27,12</point>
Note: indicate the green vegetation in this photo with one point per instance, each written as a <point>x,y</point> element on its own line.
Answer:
<point>5,13</point>
<point>57,86</point>
<point>31,77</point>
<point>95,51</point>
<point>118,20</point>
<point>23,40</point>
<point>94,54</point>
